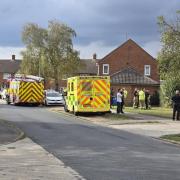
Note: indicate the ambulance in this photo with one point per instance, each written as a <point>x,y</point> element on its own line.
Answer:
<point>88,94</point>
<point>25,89</point>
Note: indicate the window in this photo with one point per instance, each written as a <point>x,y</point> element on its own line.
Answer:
<point>87,86</point>
<point>68,86</point>
<point>6,75</point>
<point>72,86</point>
<point>105,68</point>
<point>147,70</point>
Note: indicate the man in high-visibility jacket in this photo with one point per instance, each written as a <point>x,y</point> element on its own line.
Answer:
<point>142,98</point>
<point>125,93</point>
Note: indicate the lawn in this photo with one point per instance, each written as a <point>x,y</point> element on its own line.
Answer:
<point>173,137</point>
<point>154,111</point>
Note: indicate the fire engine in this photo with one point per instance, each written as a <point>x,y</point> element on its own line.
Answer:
<point>25,89</point>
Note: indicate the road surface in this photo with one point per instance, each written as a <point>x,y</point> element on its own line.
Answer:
<point>96,152</point>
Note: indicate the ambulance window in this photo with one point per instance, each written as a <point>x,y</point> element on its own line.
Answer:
<point>72,86</point>
<point>87,86</point>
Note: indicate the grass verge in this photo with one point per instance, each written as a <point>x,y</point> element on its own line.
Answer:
<point>154,111</point>
<point>171,137</point>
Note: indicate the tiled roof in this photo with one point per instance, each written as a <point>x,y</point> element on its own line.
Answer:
<point>88,66</point>
<point>121,46</point>
<point>131,76</point>
<point>9,66</point>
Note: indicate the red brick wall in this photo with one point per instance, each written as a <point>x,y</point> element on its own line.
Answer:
<point>130,55</point>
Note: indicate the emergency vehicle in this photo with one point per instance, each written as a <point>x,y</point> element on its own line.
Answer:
<point>25,89</point>
<point>88,94</point>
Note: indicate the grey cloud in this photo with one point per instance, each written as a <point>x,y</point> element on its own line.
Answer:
<point>104,20</point>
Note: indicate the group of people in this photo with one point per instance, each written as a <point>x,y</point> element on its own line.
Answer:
<point>120,99</point>
<point>141,98</point>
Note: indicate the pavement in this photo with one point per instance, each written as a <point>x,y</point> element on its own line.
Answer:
<point>24,159</point>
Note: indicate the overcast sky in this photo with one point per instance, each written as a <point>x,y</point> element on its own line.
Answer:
<point>100,25</point>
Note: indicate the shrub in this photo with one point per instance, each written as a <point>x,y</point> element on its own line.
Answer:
<point>167,90</point>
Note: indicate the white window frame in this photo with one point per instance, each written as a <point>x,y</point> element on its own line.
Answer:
<point>106,65</point>
<point>6,76</point>
<point>145,70</point>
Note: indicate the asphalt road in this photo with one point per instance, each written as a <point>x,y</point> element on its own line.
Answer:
<point>95,152</point>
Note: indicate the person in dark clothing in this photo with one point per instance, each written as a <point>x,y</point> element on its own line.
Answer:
<point>111,97</point>
<point>136,98</point>
<point>176,105</point>
<point>122,103</point>
<point>147,96</point>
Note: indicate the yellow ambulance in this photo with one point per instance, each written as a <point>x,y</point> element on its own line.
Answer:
<point>88,94</point>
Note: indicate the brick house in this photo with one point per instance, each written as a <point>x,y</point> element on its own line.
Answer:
<point>8,67</point>
<point>131,67</point>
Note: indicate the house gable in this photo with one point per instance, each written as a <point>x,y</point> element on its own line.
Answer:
<point>129,54</point>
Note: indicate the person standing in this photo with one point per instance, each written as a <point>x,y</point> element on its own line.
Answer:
<point>119,101</point>
<point>125,94</point>
<point>141,98</point>
<point>123,101</point>
<point>147,96</point>
<point>176,105</point>
<point>111,97</point>
<point>136,98</point>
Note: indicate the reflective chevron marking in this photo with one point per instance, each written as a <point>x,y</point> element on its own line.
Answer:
<point>101,86</point>
<point>31,92</point>
<point>93,88</point>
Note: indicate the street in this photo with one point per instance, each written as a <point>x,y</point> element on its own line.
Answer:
<point>96,152</point>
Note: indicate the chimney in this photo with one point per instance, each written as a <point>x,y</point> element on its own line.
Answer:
<point>13,57</point>
<point>94,56</point>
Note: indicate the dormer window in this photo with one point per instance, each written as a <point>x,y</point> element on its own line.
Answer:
<point>147,70</point>
<point>105,68</point>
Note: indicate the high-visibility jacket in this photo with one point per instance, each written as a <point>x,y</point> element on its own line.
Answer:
<point>125,94</point>
<point>141,95</point>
